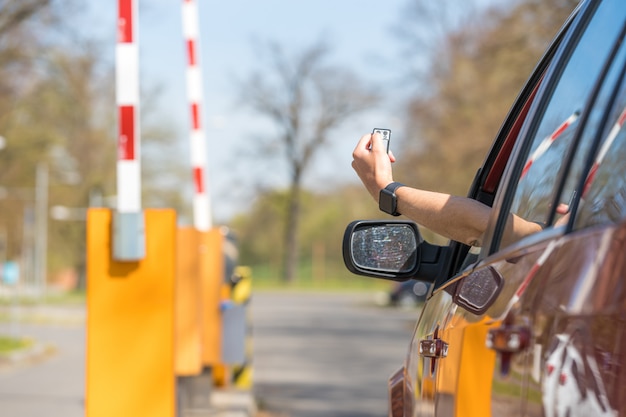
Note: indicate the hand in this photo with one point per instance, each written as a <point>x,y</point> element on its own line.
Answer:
<point>372,164</point>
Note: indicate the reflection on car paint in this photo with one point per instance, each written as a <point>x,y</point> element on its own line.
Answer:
<point>572,384</point>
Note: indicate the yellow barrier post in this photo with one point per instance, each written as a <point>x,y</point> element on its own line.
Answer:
<point>130,321</point>
<point>211,279</point>
<point>194,386</point>
<point>188,304</point>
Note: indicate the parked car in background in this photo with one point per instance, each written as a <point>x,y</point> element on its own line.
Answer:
<point>408,294</point>
<point>535,326</point>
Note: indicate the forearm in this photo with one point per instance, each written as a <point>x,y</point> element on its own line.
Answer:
<point>457,218</point>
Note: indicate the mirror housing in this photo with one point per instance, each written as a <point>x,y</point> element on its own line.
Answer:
<point>477,291</point>
<point>391,249</point>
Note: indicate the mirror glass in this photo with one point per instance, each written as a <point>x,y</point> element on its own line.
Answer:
<point>389,247</point>
<point>479,289</point>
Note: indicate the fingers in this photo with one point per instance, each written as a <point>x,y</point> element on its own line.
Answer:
<point>377,143</point>
<point>370,143</point>
<point>372,163</point>
<point>363,145</point>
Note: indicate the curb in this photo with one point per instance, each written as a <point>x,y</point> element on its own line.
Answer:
<point>31,354</point>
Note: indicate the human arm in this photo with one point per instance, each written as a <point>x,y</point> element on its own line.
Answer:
<point>457,218</point>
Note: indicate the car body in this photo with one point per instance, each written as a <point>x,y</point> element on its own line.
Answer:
<point>533,326</point>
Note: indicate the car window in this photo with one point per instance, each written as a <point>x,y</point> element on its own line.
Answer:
<point>554,125</point>
<point>604,192</point>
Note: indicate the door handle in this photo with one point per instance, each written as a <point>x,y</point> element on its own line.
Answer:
<point>433,348</point>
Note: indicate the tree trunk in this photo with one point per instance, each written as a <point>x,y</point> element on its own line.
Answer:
<point>291,229</point>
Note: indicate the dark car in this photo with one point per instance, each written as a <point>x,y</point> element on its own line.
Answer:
<point>408,294</point>
<point>532,326</point>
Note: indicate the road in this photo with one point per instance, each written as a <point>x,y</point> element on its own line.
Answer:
<point>314,355</point>
<point>51,382</point>
<point>326,355</point>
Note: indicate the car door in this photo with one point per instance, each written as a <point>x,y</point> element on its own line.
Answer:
<point>450,367</point>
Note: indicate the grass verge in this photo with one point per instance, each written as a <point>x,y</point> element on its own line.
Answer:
<point>11,344</point>
<point>266,277</point>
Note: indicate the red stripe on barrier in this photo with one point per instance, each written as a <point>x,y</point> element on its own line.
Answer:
<point>529,277</point>
<point>126,138</point>
<point>125,21</point>
<point>622,118</point>
<point>198,180</point>
<point>191,52</point>
<point>526,168</point>
<point>560,130</point>
<point>195,116</point>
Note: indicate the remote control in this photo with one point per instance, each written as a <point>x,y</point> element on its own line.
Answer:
<point>385,133</point>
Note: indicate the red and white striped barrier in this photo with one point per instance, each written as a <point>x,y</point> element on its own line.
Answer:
<point>127,94</point>
<point>191,32</point>
<point>548,141</point>
<point>604,149</point>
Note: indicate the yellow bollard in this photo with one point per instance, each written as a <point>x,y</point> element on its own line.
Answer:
<point>130,321</point>
<point>241,294</point>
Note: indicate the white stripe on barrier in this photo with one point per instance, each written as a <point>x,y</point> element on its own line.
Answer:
<point>128,186</point>
<point>190,19</point>
<point>202,211</point>
<point>198,143</point>
<point>194,84</point>
<point>127,73</point>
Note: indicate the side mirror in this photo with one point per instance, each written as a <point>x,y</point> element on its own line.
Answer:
<point>392,250</point>
<point>477,291</point>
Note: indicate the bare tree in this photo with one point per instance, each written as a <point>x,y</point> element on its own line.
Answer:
<point>305,99</point>
<point>15,13</point>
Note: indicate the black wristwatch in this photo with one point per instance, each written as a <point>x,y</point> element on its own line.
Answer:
<point>387,200</point>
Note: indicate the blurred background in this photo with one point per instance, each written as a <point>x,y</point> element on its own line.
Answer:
<point>289,87</point>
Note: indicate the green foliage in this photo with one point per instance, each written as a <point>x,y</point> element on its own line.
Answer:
<point>324,219</point>
<point>10,344</point>
<point>314,276</point>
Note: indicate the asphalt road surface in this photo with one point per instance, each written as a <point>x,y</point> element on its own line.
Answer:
<point>314,355</point>
<point>326,354</point>
<point>50,381</point>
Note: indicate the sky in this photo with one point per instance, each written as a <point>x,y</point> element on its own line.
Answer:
<point>361,36</point>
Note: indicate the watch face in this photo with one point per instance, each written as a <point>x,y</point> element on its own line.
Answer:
<point>387,201</point>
